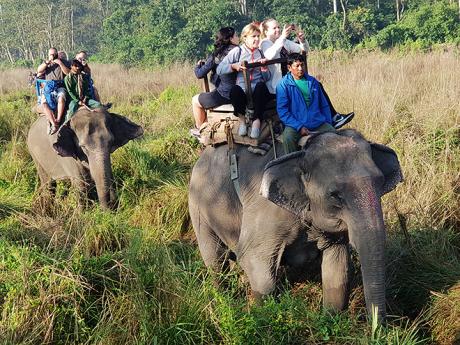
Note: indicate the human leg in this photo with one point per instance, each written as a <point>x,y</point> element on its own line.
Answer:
<point>239,101</point>
<point>290,139</point>
<point>60,95</point>
<point>49,114</point>
<point>338,120</point>
<point>325,127</point>
<point>199,113</point>
<point>73,107</point>
<point>333,111</point>
<point>261,97</point>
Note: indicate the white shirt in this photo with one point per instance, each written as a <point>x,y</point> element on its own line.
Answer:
<point>272,50</point>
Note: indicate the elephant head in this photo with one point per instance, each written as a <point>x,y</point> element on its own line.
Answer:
<point>90,137</point>
<point>335,184</point>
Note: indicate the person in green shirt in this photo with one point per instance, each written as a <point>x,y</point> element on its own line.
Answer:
<point>77,85</point>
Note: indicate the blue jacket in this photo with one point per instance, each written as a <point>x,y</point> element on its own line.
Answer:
<point>291,106</point>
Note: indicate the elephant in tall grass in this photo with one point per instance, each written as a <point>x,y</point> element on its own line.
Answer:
<point>291,209</point>
<point>81,150</point>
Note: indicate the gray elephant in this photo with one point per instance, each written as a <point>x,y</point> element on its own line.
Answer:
<point>81,150</point>
<point>288,210</point>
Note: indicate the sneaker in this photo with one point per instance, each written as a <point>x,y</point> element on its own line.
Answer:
<point>339,120</point>
<point>195,132</point>
<point>242,130</point>
<point>255,132</point>
<point>53,129</point>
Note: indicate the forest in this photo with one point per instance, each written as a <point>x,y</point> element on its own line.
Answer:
<point>145,32</point>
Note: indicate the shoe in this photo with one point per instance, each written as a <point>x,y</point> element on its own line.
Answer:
<point>242,130</point>
<point>255,132</point>
<point>195,132</point>
<point>339,120</point>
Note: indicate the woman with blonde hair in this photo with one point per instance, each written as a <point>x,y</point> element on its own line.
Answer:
<point>248,51</point>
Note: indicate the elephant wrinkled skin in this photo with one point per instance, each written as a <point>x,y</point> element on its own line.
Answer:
<point>81,150</point>
<point>327,194</point>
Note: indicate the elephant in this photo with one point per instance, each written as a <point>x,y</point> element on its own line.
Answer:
<point>80,150</point>
<point>315,202</point>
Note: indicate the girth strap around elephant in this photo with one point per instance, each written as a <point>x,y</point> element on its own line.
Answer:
<point>233,158</point>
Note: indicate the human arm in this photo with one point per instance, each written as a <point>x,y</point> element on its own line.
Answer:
<point>271,49</point>
<point>64,68</point>
<point>42,68</point>
<point>202,69</point>
<point>230,63</point>
<point>282,106</point>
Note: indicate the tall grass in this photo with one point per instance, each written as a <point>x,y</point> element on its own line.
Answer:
<point>81,276</point>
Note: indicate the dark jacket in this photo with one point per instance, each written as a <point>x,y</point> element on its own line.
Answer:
<point>223,83</point>
<point>293,110</point>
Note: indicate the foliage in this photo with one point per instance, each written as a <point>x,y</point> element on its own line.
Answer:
<point>148,32</point>
<point>428,24</point>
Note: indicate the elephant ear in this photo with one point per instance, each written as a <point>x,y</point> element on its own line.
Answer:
<point>388,163</point>
<point>66,144</point>
<point>123,130</point>
<point>282,184</point>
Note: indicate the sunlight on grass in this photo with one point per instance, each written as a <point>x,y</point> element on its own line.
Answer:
<point>70,273</point>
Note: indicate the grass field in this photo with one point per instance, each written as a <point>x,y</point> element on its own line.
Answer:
<point>82,276</point>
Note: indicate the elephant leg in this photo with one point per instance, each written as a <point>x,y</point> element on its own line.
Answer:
<point>45,180</point>
<point>212,249</point>
<point>82,187</point>
<point>259,269</point>
<point>335,273</point>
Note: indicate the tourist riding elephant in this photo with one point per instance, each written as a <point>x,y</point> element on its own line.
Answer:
<point>286,211</point>
<point>81,150</point>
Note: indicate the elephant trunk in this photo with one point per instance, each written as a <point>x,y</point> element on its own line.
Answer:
<point>367,234</point>
<point>101,172</point>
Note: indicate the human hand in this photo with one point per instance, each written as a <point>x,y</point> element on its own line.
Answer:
<point>237,67</point>
<point>301,36</point>
<point>286,31</point>
<point>263,68</point>
<point>304,131</point>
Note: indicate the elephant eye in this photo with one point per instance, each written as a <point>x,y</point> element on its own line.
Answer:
<point>335,199</point>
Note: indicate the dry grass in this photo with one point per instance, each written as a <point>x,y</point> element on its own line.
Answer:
<point>133,85</point>
<point>125,277</point>
<point>13,80</point>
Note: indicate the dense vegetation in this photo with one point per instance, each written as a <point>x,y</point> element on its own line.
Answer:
<point>150,31</point>
<point>81,276</point>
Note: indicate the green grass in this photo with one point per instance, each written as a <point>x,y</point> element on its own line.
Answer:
<point>70,275</point>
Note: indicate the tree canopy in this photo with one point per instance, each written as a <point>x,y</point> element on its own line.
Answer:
<point>154,31</point>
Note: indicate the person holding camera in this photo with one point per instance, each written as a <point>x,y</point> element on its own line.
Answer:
<point>276,44</point>
<point>52,91</point>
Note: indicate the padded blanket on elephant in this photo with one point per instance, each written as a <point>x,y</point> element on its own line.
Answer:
<point>220,126</point>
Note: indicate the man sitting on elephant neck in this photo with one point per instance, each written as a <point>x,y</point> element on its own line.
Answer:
<point>302,106</point>
<point>78,88</point>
